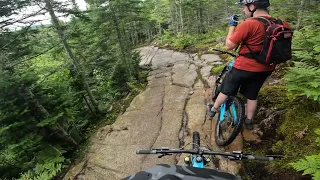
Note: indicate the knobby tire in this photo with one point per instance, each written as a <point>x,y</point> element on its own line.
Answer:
<point>240,111</point>
<point>195,140</point>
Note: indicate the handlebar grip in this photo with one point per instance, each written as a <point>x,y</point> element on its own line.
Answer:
<point>146,151</point>
<point>261,158</point>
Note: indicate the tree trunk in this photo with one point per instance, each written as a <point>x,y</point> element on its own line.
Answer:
<point>300,14</point>
<point>89,105</point>
<point>119,37</point>
<point>135,32</point>
<point>132,34</point>
<point>176,18</point>
<point>202,30</point>
<point>160,29</point>
<point>208,18</point>
<point>71,56</point>
<point>181,18</point>
<point>172,25</point>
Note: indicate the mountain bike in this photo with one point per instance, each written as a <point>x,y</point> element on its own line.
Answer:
<point>195,163</point>
<point>230,114</point>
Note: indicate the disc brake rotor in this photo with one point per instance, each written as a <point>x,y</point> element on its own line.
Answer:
<point>226,127</point>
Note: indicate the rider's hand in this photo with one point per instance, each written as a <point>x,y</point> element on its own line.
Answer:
<point>233,20</point>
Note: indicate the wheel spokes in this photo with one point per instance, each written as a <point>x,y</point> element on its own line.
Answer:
<point>226,127</point>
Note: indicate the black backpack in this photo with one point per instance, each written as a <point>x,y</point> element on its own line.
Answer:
<point>276,45</point>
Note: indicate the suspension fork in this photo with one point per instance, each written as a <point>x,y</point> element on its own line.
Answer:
<point>225,107</point>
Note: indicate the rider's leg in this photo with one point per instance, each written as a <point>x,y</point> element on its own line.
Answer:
<point>250,89</point>
<point>220,99</point>
<point>229,87</point>
<point>213,108</point>
<point>251,108</point>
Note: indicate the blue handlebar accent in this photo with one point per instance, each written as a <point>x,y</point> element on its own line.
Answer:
<point>231,63</point>
<point>197,164</point>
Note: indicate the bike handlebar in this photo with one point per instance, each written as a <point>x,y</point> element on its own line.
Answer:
<point>232,156</point>
<point>261,158</point>
<point>146,151</point>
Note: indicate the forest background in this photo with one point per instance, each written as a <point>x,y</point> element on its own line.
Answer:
<point>61,81</point>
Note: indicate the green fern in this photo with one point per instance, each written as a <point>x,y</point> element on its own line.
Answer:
<point>50,163</point>
<point>310,165</point>
<point>304,80</point>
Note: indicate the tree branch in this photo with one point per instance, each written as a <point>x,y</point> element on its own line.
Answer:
<point>17,36</point>
<point>37,55</point>
<point>48,75</point>
<point>20,20</point>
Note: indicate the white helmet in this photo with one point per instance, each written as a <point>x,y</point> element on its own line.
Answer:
<point>260,3</point>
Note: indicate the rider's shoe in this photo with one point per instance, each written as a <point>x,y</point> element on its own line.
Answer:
<point>211,111</point>
<point>248,124</point>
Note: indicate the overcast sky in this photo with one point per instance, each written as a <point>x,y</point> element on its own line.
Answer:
<point>45,19</point>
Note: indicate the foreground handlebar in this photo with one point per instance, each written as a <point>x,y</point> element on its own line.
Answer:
<point>261,158</point>
<point>144,151</point>
<point>232,156</point>
<point>164,151</point>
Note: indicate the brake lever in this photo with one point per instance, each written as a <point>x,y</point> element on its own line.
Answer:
<point>162,155</point>
<point>238,157</point>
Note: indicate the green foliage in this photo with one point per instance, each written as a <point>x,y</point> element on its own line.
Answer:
<point>182,41</point>
<point>306,44</point>
<point>195,41</point>
<point>50,163</point>
<point>310,164</point>
<point>304,80</point>
<point>43,102</point>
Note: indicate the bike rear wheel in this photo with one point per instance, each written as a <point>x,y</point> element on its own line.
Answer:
<point>230,122</point>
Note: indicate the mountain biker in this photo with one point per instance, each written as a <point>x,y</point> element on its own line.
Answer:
<point>246,74</point>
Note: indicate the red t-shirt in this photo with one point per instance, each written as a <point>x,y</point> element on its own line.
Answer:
<point>251,31</point>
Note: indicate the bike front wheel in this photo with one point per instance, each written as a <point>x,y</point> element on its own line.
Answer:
<point>195,140</point>
<point>230,120</point>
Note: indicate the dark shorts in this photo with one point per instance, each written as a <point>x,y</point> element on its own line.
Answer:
<point>248,82</point>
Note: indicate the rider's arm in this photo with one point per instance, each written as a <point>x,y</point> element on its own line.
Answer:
<point>238,35</point>
<point>230,45</point>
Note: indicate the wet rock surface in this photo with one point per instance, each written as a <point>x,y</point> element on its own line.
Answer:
<point>164,115</point>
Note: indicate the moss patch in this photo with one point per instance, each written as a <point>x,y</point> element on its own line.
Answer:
<point>217,69</point>
<point>298,114</point>
<point>273,96</point>
<point>296,145</point>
